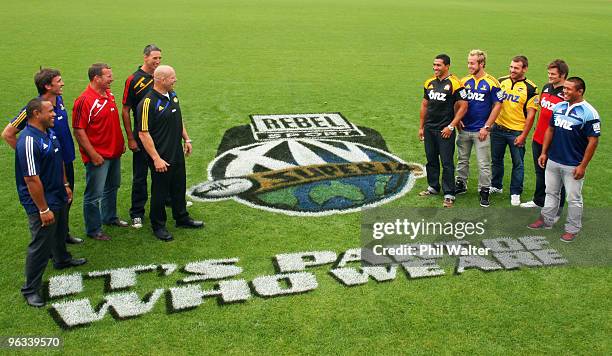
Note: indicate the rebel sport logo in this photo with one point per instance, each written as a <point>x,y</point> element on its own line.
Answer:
<point>307,165</point>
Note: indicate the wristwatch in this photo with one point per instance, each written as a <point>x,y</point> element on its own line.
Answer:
<point>450,127</point>
<point>487,127</point>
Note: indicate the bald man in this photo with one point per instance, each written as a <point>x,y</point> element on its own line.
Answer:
<point>161,131</point>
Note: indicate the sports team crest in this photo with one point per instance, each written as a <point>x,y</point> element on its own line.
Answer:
<point>305,164</point>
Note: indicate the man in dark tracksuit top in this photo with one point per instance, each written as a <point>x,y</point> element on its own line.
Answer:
<point>50,86</point>
<point>161,130</point>
<point>137,86</point>
<point>443,106</point>
<point>44,193</point>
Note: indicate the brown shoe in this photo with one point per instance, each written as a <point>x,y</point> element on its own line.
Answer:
<point>100,236</point>
<point>118,222</point>
<point>448,203</point>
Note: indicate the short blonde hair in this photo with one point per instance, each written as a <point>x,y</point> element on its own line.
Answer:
<point>481,56</point>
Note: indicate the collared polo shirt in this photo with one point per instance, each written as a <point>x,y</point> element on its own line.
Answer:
<point>517,98</point>
<point>482,95</point>
<point>441,95</point>
<point>99,117</point>
<point>61,128</point>
<point>136,87</point>
<point>548,99</point>
<point>573,124</point>
<point>39,154</point>
<point>161,117</point>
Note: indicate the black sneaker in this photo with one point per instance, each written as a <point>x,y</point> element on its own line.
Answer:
<point>460,187</point>
<point>484,198</point>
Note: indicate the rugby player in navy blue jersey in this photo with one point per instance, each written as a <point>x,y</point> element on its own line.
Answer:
<point>50,86</point>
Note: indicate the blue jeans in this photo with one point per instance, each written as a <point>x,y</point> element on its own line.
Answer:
<point>100,198</point>
<point>500,138</point>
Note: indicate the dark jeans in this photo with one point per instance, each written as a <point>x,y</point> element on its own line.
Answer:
<point>440,149</point>
<point>46,241</point>
<point>171,183</point>
<point>100,197</point>
<point>140,170</point>
<point>540,189</point>
<point>500,138</point>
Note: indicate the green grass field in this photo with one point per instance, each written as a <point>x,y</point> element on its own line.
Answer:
<point>366,59</point>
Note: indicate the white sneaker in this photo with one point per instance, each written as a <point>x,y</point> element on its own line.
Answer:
<point>529,204</point>
<point>515,199</point>
<point>188,204</point>
<point>494,190</point>
<point>137,223</point>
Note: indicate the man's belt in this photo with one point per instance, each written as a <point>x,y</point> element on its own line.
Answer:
<point>504,128</point>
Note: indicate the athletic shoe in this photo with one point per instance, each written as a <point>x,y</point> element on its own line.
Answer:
<point>460,187</point>
<point>529,204</point>
<point>494,190</point>
<point>515,199</point>
<point>188,204</point>
<point>137,223</point>
<point>568,237</point>
<point>539,225</point>
<point>427,192</point>
<point>484,198</point>
<point>448,203</point>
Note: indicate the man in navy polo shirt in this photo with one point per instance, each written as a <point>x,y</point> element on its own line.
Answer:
<point>569,144</point>
<point>44,193</point>
<point>50,86</point>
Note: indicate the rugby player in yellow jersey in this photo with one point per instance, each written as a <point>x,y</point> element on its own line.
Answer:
<point>519,105</point>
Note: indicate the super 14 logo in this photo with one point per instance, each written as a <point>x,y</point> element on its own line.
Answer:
<point>307,165</point>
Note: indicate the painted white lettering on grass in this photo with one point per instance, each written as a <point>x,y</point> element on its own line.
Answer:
<point>192,296</point>
<point>419,268</point>
<point>122,277</point>
<point>270,286</point>
<point>352,276</point>
<point>65,284</point>
<point>296,262</point>
<point>476,262</point>
<point>507,254</point>
<point>125,305</point>
<point>212,269</point>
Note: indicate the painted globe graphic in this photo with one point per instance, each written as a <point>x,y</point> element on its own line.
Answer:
<point>307,177</point>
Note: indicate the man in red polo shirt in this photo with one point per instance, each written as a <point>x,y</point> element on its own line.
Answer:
<point>95,120</point>
<point>552,93</point>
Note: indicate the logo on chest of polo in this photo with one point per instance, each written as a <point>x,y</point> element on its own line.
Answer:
<point>306,165</point>
<point>512,98</point>
<point>563,123</point>
<point>476,96</point>
<point>433,95</point>
<point>546,104</point>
